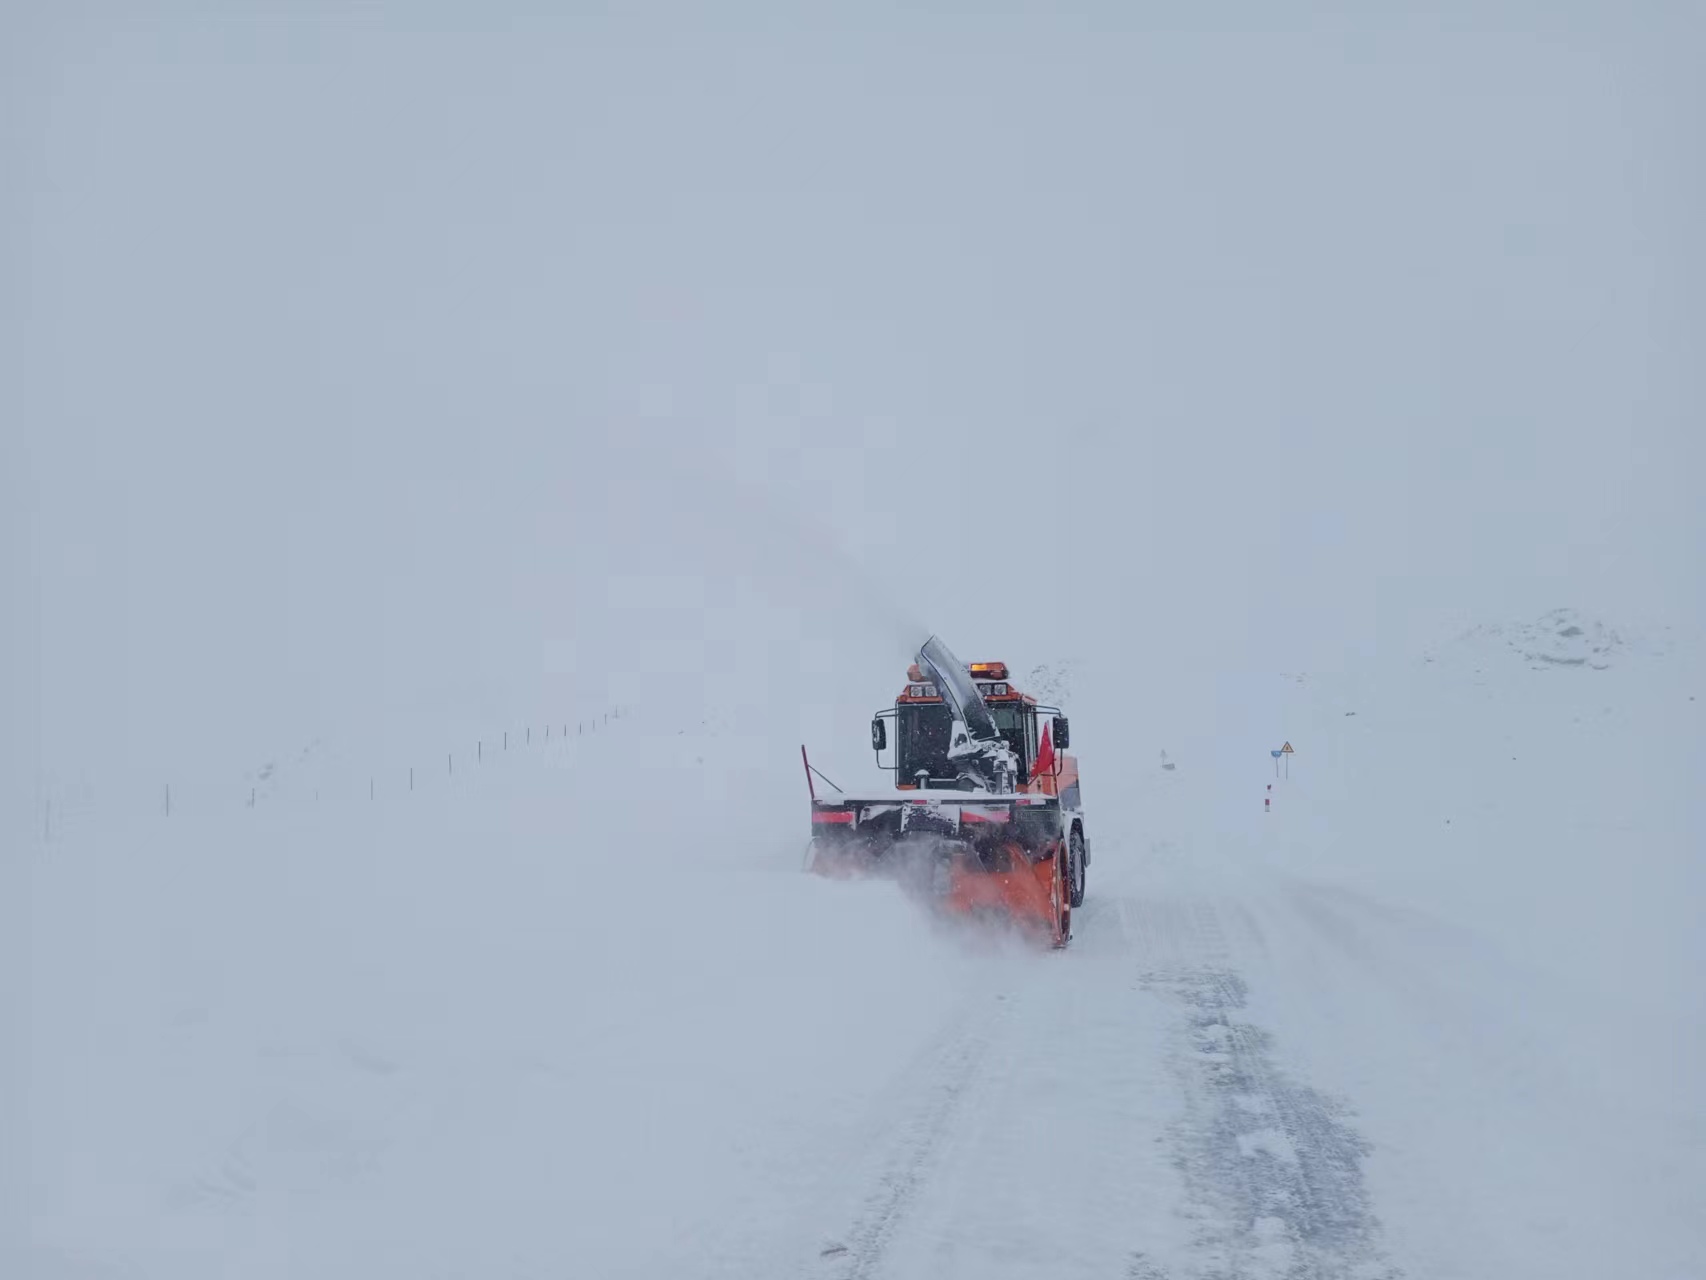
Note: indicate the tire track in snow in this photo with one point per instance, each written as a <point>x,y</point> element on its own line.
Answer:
<point>1272,1168</point>
<point>953,1072</point>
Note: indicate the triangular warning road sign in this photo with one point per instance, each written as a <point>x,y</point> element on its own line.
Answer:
<point>1286,750</point>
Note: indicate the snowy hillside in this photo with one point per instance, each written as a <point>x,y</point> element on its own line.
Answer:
<point>580,1012</point>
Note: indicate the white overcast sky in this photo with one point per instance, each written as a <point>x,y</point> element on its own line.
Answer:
<point>411,361</point>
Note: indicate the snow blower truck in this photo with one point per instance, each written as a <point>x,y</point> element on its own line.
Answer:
<point>985,817</point>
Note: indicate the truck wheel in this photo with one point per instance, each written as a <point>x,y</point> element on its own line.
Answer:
<point>1075,865</point>
<point>1059,901</point>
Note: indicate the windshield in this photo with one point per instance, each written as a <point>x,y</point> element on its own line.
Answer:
<point>922,730</point>
<point>1016,723</point>
<point>923,741</point>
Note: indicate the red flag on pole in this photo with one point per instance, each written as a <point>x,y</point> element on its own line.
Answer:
<point>1045,756</point>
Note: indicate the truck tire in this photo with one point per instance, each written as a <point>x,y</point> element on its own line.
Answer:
<point>1075,866</point>
<point>1060,895</point>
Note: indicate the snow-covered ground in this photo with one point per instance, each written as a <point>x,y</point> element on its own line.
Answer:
<point>377,386</point>
<point>578,1011</point>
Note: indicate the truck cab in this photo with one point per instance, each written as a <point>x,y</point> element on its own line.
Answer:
<point>1038,736</point>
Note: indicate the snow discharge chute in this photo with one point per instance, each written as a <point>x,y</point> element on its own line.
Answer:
<point>955,682</point>
<point>976,745</point>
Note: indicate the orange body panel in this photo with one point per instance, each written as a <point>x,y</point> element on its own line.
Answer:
<point>1031,893</point>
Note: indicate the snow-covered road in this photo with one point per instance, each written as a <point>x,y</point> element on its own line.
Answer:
<point>482,1031</point>
<point>1114,1112</point>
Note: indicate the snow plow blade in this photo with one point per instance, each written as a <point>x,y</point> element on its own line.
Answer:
<point>979,855</point>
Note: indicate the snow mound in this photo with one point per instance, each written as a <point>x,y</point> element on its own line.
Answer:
<point>1565,638</point>
<point>1561,638</point>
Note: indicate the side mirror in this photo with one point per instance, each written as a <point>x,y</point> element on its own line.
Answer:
<point>1062,734</point>
<point>879,735</point>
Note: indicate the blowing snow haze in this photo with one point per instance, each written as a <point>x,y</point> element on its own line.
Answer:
<point>380,384</point>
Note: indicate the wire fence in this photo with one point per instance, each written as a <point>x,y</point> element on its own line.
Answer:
<point>314,776</point>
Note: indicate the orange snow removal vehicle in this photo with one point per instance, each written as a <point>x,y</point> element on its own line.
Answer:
<point>985,816</point>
